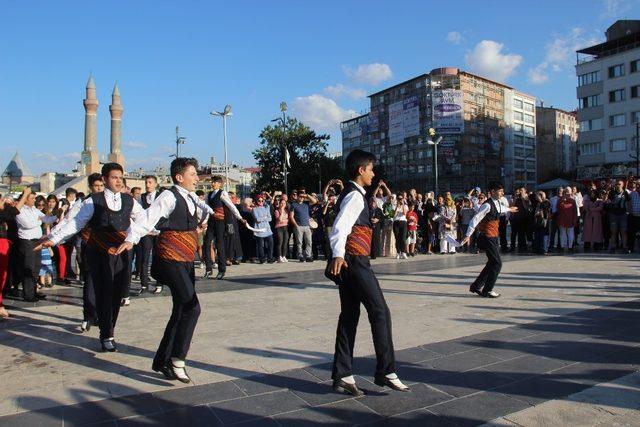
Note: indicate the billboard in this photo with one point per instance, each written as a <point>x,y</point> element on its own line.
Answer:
<point>411,116</point>
<point>396,123</point>
<point>448,115</point>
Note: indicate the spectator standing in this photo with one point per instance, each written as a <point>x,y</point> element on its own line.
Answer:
<point>467,212</point>
<point>388,241</point>
<point>554,225</point>
<point>400,227</point>
<point>592,235</point>
<point>617,209</point>
<point>634,214</point>
<point>282,230</point>
<point>541,224</point>
<point>377,219</point>
<point>447,218</point>
<point>299,216</point>
<point>264,239</point>
<point>567,216</point>
<point>412,228</point>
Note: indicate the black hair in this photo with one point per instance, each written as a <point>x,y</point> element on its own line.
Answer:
<point>52,197</point>
<point>134,189</point>
<point>40,199</point>
<point>180,165</point>
<point>495,185</point>
<point>358,159</point>
<point>199,193</point>
<point>69,191</point>
<point>153,177</point>
<point>93,178</point>
<point>108,167</point>
<point>217,178</point>
<point>80,195</point>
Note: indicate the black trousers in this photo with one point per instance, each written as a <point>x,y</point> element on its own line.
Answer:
<point>89,312</point>
<point>375,242</point>
<point>502,229</point>
<point>489,274</point>
<point>30,267</point>
<point>400,233</point>
<point>111,276</point>
<point>143,263</point>
<point>282,241</point>
<point>359,285</point>
<point>215,232</point>
<point>632,229</point>
<point>180,278</point>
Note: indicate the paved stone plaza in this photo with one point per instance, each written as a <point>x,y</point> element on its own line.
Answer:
<point>560,347</point>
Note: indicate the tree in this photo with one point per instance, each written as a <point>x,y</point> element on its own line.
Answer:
<point>309,164</point>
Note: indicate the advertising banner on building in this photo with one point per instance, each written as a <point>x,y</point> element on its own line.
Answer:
<point>396,123</point>
<point>448,115</point>
<point>411,116</point>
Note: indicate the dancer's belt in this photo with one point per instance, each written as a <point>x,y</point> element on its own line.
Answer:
<point>102,241</point>
<point>218,214</point>
<point>490,228</point>
<point>178,246</point>
<point>359,241</point>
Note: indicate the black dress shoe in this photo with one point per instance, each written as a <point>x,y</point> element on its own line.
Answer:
<point>220,276</point>
<point>165,370</point>
<point>309,259</point>
<point>475,290</point>
<point>235,262</point>
<point>40,296</point>
<point>345,388</point>
<point>207,274</point>
<point>386,382</point>
<point>184,378</point>
<point>109,346</point>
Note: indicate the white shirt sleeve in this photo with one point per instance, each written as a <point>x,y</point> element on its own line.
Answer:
<point>227,201</point>
<point>137,211</point>
<point>75,224</point>
<point>204,207</point>
<point>482,212</point>
<point>70,214</point>
<point>350,209</point>
<point>145,222</point>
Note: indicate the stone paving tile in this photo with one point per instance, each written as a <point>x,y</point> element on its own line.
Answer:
<point>259,422</point>
<point>322,393</point>
<point>540,389</point>
<point>259,406</point>
<point>527,366</point>
<point>415,355</point>
<point>266,383</point>
<point>194,416</point>
<point>348,412</point>
<point>462,362</point>
<point>110,409</point>
<point>198,395</point>
<point>387,402</point>
<point>470,382</point>
<point>417,418</point>
<point>44,418</point>
<point>477,409</point>
<point>447,348</point>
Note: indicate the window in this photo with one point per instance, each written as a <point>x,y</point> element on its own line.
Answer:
<point>617,120</point>
<point>531,176</point>
<point>530,142</point>
<point>589,101</point>
<point>616,95</point>
<point>589,78</point>
<point>592,148</point>
<point>518,151</point>
<point>634,65</point>
<point>519,163</point>
<point>635,116</point>
<point>517,127</point>
<point>518,139</point>
<point>587,125</point>
<point>517,115</point>
<point>619,144</point>
<point>531,164</point>
<point>529,130</point>
<point>530,153</point>
<point>517,103</point>
<point>616,71</point>
<point>528,118</point>
<point>634,91</point>
<point>528,107</point>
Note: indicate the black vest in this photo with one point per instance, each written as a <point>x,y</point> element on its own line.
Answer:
<point>364,218</point>
<point>493,213</point>
<point>216,202</point>
<point>143,200</point>
<point>180,219</point>
<point>104,219</point>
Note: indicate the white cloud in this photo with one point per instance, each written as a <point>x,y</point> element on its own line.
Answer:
<point>53,162</point>
<point>559,54</point>
<point>340,90</point>
<point>320,113</point>
<point>455,37</point>
<point>487,60</point>
<point>371,74</point>
<point>615,8</point>
<point>134,144</point>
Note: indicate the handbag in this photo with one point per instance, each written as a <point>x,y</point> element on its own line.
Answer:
<point>313,224</point>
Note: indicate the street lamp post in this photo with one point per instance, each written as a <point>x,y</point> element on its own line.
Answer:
<point>226,112</point>
<point>435,143</point>
<point>283,120</point>
<point>179,140</point>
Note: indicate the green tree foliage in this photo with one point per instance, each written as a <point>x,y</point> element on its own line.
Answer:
<point>309,164</point>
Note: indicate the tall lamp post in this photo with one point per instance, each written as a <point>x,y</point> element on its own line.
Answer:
<point>636,157</point>
<point>435,142</point>
<point>179,141</point>
<point>224,114</point>
<point>283,120</point>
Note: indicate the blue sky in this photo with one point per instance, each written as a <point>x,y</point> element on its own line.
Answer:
<point>175,61</point>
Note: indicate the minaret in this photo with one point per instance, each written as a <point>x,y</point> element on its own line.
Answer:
<point>90,157</point>
<point>115,154</point>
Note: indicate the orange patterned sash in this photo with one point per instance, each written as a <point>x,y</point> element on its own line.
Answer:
<point>102,241</point>
<point>218,214</point>
<point>178,246</point>
<point>359,241</point>
<point>490,228</point>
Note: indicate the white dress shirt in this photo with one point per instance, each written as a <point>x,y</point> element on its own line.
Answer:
<point>151,197</point>
<point>30,222</point>
<point>227,201</point>
<point>71,213</point>
<point>350,209</point>
<point>162,207</point>
<point>501,207</point>
<point>84,215</point>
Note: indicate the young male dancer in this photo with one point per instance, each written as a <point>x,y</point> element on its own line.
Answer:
<point>487,219</point>
<point>175,214</point>
<point>350,269</point>
<point>108,215</point>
